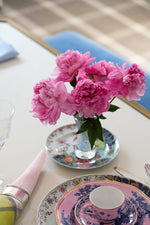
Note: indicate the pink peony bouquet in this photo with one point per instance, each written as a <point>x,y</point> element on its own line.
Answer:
<point>94,86</point>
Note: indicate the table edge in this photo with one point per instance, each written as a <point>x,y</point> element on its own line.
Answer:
<point>31,35</point>
<point>138,107</point>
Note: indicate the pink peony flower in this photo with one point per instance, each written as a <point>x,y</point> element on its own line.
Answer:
<point>94,86</point>
<point>100,70</point>
<point>129,83</point>
<point>134,83</point>
<point>69,63</point>
<point>49,98</point>
<point>82,75</point>
<point>90,98</point>
<point>115,81</point>
<point>68,106</point>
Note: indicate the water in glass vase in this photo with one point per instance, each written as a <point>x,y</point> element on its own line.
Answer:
<point>83,148</point>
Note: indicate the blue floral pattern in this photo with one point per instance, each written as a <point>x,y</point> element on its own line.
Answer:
<point>142,207</point>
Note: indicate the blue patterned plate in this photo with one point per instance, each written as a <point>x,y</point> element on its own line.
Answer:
<point>127,215</point>
<point>139,196</point>
<point>61,143</point>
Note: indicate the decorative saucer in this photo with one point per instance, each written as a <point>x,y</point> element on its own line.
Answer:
<point>84,215</point>
<point>65,207</point>
<point>78,187</point>
<point>61,144</point>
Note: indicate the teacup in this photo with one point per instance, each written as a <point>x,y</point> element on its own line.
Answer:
<point>105,203</point>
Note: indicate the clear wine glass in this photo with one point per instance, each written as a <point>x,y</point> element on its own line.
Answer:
<point>6,113</point>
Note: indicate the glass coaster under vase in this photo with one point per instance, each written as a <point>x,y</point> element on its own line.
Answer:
<point>61,144</point>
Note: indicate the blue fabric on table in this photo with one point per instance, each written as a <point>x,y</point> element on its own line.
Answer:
<point>73,40</point>
<point>7,51</point>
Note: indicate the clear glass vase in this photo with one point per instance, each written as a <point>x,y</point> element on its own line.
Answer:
<point>83,148</point>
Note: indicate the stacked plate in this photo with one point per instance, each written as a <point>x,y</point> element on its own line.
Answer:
<point>66,204</point>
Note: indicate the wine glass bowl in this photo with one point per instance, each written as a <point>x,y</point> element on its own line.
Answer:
<point>6,113</point>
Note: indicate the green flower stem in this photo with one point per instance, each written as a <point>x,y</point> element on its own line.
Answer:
<point>93,128</point>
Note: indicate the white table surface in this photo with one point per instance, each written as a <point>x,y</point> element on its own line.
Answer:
<point>28,135</point>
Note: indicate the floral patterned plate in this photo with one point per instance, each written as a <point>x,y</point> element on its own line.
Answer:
<point>84,215</point>
<point>61,143</point>
<point>138,194</point>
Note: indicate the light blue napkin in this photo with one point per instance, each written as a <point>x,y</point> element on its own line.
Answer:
<point>7,51</point>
